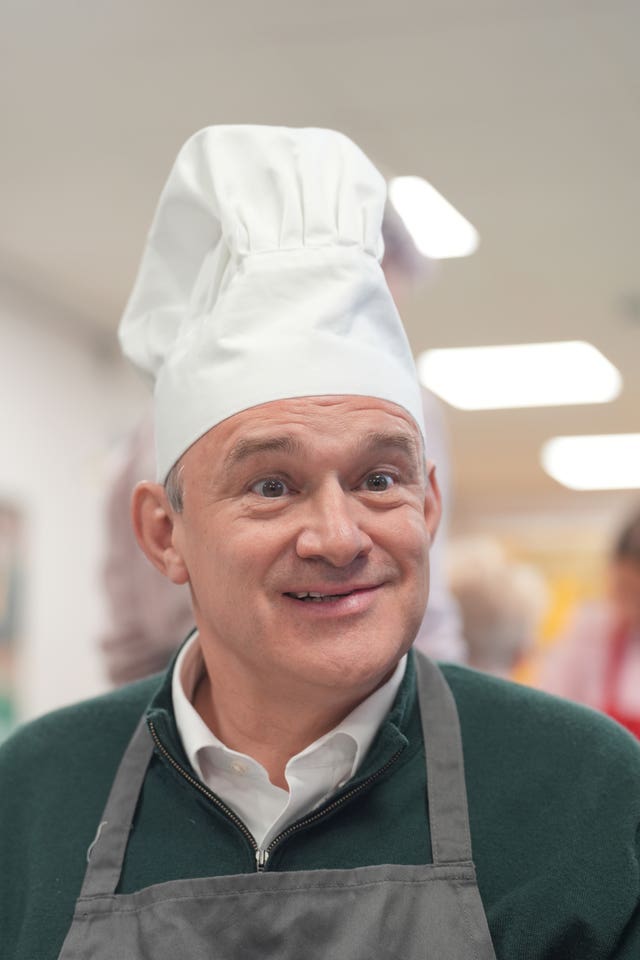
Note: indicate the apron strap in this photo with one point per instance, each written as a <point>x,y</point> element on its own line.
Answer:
<point>105,856</point>
<point>446,790</point>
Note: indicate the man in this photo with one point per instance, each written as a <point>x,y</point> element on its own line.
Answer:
<point>295,785</point>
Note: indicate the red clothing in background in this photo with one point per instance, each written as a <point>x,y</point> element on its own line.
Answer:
<point>597,662</point>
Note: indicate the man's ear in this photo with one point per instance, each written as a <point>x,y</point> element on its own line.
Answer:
<point>432,501</point>
<point>154,526</point>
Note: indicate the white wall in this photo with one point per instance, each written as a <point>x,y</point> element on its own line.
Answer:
<point>62,408</point>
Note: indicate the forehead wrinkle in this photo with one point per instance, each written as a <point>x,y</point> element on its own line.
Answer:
<point>248,447</point>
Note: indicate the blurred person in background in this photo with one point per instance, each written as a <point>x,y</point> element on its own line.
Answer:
<point>149,616</point>
<point>597,660</point>
<point>502,604</point>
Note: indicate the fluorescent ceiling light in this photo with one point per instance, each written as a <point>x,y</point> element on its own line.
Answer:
<point>437,229</point>
<point>604,462</point>
<point>520,375</point>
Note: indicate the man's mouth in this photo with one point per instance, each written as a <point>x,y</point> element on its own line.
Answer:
<point>313,596</point>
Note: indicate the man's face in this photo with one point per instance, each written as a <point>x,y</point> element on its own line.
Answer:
<point>305,533</point>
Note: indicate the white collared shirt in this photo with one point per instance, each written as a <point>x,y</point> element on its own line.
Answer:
<point>312,775</point>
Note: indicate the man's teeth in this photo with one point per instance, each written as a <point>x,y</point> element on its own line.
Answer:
<point>317,597</point>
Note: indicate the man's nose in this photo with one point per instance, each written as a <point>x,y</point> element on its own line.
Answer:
<point>331,528</point>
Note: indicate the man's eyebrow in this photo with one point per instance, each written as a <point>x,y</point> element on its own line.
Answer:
<point>402,441</point>
<point>252,446</point>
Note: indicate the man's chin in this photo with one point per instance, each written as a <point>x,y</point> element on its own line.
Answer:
<point>347,665</point>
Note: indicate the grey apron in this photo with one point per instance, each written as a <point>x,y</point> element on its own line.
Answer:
<point>386,912</point>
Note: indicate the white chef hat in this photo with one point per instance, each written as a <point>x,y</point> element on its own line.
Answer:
<point>261,281</point>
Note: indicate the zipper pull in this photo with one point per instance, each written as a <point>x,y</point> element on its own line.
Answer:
<point>261,858</point>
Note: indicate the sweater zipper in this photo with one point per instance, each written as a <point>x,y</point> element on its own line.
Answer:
<point>262,854</point>
<point>199,786</point>
<point>334,805</point>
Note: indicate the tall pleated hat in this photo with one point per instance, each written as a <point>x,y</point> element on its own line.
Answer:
<point>261,281</point>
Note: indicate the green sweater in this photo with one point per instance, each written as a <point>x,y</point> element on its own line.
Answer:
<point>554,803</point>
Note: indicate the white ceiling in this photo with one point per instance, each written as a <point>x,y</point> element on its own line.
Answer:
<point>524,113</point>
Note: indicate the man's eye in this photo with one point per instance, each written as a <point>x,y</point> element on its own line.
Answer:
<point>379,482</point>
<point>271,487</point>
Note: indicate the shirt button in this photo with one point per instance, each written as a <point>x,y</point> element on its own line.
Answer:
<point>238,767</point>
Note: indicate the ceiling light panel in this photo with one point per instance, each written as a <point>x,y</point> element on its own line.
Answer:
<point>598,462</point>
<point>438,230</point>
<point>520,375</point>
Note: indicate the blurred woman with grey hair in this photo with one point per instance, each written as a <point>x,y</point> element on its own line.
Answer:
<point>502,604</point>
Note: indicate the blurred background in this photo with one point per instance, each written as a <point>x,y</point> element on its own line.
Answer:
<point>522,114</point>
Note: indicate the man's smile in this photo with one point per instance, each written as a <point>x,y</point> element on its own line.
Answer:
<point>336,600</point>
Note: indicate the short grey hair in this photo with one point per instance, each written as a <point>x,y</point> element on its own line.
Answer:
<point>174,487</point>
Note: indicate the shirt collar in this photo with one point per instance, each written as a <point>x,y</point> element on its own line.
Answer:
<point>358,728</point>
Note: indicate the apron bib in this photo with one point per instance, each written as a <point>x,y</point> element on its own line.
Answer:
<point>386,912</point>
